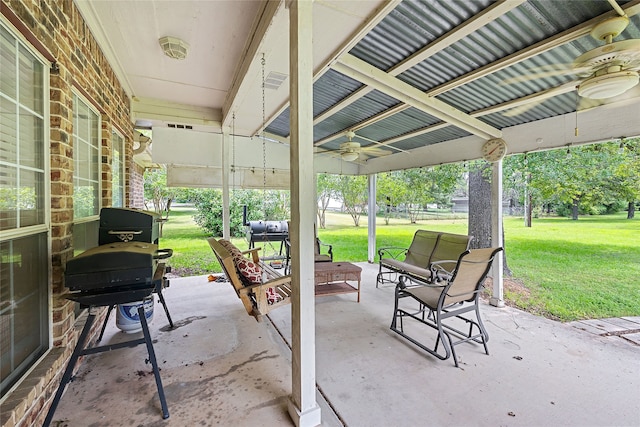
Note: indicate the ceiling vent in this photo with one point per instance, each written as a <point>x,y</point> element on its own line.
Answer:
<point>175,126</point>
<point>274,80</point>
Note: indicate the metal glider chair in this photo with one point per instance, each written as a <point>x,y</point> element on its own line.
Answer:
<point>441,303</point>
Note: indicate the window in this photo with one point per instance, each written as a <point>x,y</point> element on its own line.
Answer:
<point>86,175</point>
<point>24,183</point>
<point>86,160</point>
<point>117,168</point>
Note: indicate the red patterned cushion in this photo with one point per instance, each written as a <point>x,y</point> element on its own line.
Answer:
<point>230,247</point>
<point>273,296</point>
<point>249,269</point>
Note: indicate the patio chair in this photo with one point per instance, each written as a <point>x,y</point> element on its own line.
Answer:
<point>441,305</point>
<point>319,248</point>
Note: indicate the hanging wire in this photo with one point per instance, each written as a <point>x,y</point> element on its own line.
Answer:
<point>264,161</point>
<point>577,105</point>
<point>233,150</point>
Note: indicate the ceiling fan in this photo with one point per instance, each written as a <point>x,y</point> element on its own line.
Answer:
<point>351,151</point>
<point>602,73</point>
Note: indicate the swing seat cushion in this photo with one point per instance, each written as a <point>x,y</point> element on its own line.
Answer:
<point>248,269</point>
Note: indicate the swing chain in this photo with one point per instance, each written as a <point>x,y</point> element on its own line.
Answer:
<point>264,146</point>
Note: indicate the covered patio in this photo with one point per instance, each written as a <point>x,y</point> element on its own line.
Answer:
<point>267,94</point>
<point>220,367</point>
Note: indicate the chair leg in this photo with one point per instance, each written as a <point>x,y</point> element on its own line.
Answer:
<point>380,280</point>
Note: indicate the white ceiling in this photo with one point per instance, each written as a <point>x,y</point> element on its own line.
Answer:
<point>223,70</point>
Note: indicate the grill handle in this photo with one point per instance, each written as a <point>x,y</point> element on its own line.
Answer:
<point>125,236</point>
<point>163,254</point>
<point>124,232</point>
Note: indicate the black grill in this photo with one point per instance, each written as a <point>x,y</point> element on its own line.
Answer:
<point>127,225</point>
<point>265,231</point>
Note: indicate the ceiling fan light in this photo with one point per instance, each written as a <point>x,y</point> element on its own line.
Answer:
<point>608,85</point>
<point>350,156</point>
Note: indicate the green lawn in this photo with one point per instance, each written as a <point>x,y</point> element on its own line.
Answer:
<point>570,270</point>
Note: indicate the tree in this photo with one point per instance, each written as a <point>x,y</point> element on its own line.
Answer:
<point>428,185</point>
<point>326,189</point>
<point>390,191</point>
<point>626,174</point>
<point>579,177</point>
<point>267,205</point>
<point>480,204</point>
<point>352,190</point>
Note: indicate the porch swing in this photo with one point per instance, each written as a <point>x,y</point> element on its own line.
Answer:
<point>259,287</point>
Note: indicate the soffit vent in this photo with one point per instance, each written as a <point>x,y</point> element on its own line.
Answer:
<point>274,80</point>
<point>175,126</point>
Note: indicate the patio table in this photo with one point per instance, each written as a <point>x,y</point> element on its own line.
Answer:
<point>331,278</point>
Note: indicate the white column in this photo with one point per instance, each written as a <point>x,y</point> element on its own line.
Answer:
<point>497,238</point>
<point>226,142</point>
<point>371,219</point>
<point>303,408</point>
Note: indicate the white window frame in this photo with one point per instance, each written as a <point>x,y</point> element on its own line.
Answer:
<point>44,227</point>
<point>118,138</point>
<point>76,147</point>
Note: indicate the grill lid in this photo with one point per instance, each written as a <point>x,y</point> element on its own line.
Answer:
<point>113,256</point>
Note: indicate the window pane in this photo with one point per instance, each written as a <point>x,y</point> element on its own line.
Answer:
<point>31,140</point>
<point>8,197</point>
<point>8,124</point>
<point>8,61</point>
<point>83,163</point>
<point>81,125</point>
<point>117,170</point>
<point>31,82</point>
<point>23,305</point>
<point>31,198</point>
<point>85,236</point>
<point>86,174</point>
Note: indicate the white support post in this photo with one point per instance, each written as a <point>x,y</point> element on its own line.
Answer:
<point>371,219</point>
<point>497,237</point>
<point>303,408</point>
<point>226,141</point>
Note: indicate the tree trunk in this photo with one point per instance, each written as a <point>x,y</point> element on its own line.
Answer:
<point>631,211</point>
<point>529,209</point>
<point>574,210</point>
<point>480,206</point>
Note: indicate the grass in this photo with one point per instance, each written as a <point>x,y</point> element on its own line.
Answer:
<point>567,270</point>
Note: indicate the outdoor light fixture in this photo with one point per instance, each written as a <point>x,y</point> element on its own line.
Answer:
<point>174,47</point>
<point>608,85</point>
<point>349,156</point>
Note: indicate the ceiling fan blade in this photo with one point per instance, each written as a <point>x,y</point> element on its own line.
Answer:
<point>375,151</point>
<point>539,75</point>
<point>588,103</point>
<point>521,109</point>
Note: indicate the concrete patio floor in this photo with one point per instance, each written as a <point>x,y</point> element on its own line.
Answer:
<point>221,367</point>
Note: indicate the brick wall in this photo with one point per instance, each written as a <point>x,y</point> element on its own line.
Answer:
<point>80,66</point>
<point>136,185</point>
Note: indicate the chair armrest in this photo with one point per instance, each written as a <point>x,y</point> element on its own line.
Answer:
<point>391,252</point>
<point>266,285</point>
<point>330,250</point>
<point>440,272</point>
<point>254,254</point>
<point>405,281</point>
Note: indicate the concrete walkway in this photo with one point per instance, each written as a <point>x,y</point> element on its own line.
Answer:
<point>221,367</point>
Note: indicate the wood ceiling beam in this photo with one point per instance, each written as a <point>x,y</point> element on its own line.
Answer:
<point>366,73</point>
